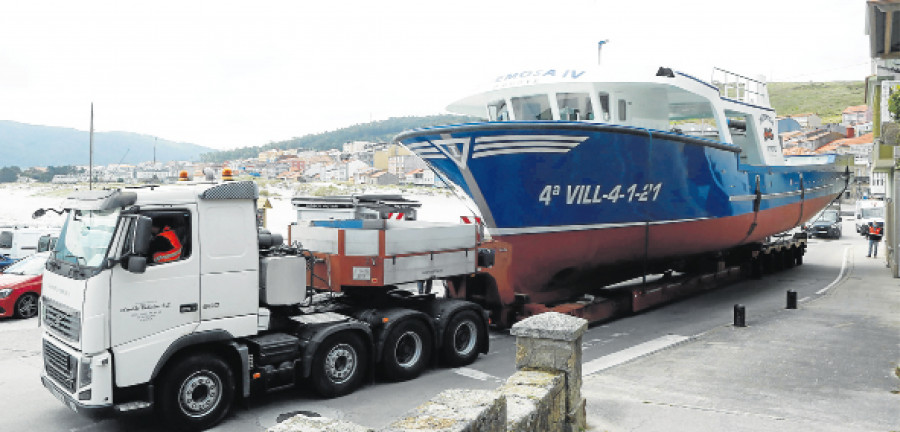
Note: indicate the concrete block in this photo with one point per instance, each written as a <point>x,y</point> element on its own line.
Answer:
<point>550,325</point>
<point>456,410</point>
<point>535,401</point>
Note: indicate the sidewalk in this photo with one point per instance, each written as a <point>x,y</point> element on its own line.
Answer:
<point>828,366</point>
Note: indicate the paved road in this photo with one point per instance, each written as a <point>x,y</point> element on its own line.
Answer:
<point>377,404</point>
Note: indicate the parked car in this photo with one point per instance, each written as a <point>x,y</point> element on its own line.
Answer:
<point>20,286</point>
<point>826,224</point>
<point>5,261</point>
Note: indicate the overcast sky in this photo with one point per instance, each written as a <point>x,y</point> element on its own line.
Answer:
<point>226,74</point>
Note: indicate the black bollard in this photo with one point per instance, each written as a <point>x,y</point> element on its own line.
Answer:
<point>791,299</point>
<point>740,315</point>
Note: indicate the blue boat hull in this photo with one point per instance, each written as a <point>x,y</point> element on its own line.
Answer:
<point>600,195</point>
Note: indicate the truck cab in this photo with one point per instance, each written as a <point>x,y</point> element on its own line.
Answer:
<point>220,311</point>
<point>104,301</point>
<point>868,210</point>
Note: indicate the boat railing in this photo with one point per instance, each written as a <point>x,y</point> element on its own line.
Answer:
<point>741,88</point>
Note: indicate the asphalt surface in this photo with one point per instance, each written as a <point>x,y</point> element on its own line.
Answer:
<point>830,365</point>
<point>683,366</point>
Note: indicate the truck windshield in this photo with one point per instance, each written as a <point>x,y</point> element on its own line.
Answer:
<point>86,236</point>
<point>873,212</point>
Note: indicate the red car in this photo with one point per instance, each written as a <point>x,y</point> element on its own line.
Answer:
<point>20,286</point>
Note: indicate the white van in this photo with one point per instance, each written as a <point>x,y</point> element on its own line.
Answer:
<point>868,211</point>
<point>19,242</point>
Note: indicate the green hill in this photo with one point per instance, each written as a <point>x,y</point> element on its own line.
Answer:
<point>827,99</point>
<point>26,145</point>
<point>379,131</point>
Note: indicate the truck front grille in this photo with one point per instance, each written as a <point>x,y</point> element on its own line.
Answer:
<point>60,366</point>
<point>62,319</point>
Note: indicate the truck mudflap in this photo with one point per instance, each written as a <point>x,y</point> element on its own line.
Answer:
<point>313,335</point>
<point>93,411</point>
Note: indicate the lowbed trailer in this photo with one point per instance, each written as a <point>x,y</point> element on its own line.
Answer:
<point>600,302</point>
<point>360,254</point>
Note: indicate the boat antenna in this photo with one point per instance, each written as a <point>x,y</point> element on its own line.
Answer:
<point>91,153</point>
<point>600,48</point>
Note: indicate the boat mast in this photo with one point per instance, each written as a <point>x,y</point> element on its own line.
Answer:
<point>600,49</point>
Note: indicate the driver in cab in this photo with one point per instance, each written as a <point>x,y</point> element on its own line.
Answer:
<point>165,246</point>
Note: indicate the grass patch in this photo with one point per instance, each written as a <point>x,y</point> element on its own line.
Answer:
<point>826,99</point>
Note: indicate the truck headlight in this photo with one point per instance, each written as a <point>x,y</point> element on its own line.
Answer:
<point>5,292</point>
<point>84,372</point>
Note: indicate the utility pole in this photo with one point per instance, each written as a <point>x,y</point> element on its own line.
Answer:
<point>91,152</point>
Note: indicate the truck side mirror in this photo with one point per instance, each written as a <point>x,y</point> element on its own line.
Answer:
<point>140,243</point>
<point>136,264</point>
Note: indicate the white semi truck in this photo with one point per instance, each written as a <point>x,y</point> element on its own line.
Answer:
<point>237,313</point>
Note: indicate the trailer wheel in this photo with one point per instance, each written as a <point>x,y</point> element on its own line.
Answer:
<point>339,365</point>
<point>462,339</point>
<point>407,350</point>
<point>789,258</point>
<point>196,393</point>
<point>799,257</point>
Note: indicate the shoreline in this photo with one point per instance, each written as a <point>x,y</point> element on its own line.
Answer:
<point>20,200</point>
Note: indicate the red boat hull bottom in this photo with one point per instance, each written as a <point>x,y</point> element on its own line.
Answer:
<point>537,262</point>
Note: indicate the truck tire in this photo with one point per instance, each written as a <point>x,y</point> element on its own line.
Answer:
<point>462,338</point>
<point>196,393</point>
<point>339,365</point>
<point>407,350</point>
<point>26,306</point>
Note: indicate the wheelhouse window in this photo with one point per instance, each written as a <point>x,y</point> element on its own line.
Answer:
<point>603,99</point>
<point>623,113</point>
<point>498,111</point>
<point>535,107</point>
<point>574,106</point>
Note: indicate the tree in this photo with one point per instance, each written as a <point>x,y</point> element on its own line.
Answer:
<point>9,174</point>
<point>894,104</point>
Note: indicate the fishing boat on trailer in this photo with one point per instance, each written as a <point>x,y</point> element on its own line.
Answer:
<point>588,177</point>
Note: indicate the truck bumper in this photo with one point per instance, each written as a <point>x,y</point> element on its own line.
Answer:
<point>82,383</point>
<point>93,411</point>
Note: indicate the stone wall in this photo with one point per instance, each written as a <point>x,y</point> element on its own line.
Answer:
<point>543,395</point>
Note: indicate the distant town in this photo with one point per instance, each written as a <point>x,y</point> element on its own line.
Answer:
<point>805,134</point>
<point>359,162</point>
<point>380,163</point>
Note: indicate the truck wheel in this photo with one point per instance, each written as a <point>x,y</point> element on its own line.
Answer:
<point>26,306</point>
<point>407,350</point>
<point>196,393</point>
<point>339,365</point>
<point>462,339</point>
